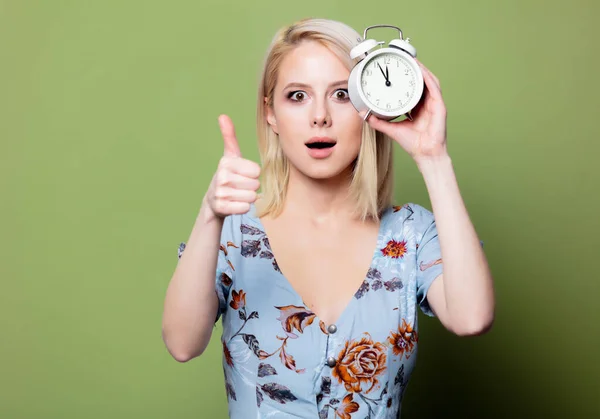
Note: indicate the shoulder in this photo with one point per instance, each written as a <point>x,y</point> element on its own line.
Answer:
<point>409,221</point>
<point>410,215</point>
<point>239,229</point>
<point>235,225</point>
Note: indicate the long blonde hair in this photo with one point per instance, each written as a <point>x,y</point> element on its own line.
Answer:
<point>372,179</point>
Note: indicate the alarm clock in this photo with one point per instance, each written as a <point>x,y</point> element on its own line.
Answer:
<point>387,81</point>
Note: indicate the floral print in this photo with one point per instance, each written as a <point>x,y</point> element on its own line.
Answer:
<point>223,248</point>
<point>281,360</point>
<point>392,247</point>
<point>254,247</point>
<point>423,266</point>
<point>360,364</point>
<point>344,409</point>
<point>403,342</point>
<point>238,300</point>
<point>275,391</point>
<point>227,355</point>
<point>374,282</point>
<point>295,317</point>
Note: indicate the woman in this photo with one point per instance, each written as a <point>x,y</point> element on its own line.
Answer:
<point>318,277</point>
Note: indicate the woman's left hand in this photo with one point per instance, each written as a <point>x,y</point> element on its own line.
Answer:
<point>425,136</point>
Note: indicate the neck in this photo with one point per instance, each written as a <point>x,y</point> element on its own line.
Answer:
<point>319,200</point>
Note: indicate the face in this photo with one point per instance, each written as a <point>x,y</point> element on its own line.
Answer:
<point>319,128</point>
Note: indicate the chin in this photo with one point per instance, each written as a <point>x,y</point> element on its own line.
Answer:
<point>324,170</point>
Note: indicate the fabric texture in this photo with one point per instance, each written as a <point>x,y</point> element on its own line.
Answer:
<point>280,360</point>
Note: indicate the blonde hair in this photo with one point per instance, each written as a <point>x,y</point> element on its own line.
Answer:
<point>372,179</point>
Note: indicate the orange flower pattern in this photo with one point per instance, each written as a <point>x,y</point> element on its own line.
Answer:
<point>394,249</point>
<point>360,364</point>
<point>346,408</point>
<point>227,355</point>
<point>403,342</point>
<point>295,317</point>
<point>238,300</point>
<point>423,266</point>
<point>363,365</point>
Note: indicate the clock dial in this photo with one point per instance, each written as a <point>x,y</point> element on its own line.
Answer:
<point>388,82</point>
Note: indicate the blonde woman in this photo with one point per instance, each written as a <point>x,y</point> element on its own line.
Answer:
<point>317,279</point>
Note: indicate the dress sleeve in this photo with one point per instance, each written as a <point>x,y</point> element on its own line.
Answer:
<point>429,255</point>
<point>224,274</point>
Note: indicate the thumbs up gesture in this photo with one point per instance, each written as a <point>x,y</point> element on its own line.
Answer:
<point>234,184</point>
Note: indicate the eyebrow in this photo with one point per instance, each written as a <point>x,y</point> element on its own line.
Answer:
<point>304,86</point>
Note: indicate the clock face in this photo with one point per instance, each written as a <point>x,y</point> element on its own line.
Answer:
<point>388,82</point>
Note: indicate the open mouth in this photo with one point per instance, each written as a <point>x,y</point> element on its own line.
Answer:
<point>320,143</point>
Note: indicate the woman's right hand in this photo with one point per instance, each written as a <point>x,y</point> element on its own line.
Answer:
<point>234,184</point>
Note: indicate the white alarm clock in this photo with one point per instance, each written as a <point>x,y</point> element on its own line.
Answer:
<point>386,82</point>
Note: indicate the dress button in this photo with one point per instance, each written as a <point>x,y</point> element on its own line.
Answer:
<point>331,361</point>
<point>332,328</point>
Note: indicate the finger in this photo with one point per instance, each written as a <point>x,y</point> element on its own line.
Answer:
<point>244,167</point>
<point>431,83</point>
<point>237,181</point>
<point>433,76</point>
<point>427,70</point>
<point>235,195</point>
<point>421,103</point>
<point>233,207</point>
<point>232,149</point>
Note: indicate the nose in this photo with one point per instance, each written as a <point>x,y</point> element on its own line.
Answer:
<point>322,122</point>
<point>321,116</point>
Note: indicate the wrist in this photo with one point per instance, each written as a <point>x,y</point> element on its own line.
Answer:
<point>206,215</point>
<point>432,163</point>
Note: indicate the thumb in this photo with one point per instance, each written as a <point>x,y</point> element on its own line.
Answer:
<point>232,149</point>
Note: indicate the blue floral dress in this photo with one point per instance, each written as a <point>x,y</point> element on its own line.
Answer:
<point>280,360</point>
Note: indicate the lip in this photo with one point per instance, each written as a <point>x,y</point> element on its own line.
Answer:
<point>321,140</point>
<point>320,153</point>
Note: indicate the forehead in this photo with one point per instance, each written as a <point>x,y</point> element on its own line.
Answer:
<point>311,63</point>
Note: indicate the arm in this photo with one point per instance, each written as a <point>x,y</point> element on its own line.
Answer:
<point>463,296</point>
<point>191,303</point>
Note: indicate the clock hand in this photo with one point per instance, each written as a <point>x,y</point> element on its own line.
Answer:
<point>387,74</point>
<point>384,75</point>
<point>387,80</point>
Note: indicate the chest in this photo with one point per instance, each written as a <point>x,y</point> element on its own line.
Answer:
<point>324,267</point>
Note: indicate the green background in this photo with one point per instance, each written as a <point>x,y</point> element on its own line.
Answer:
<point>109,138</point>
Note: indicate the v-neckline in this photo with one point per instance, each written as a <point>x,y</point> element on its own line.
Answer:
<point>349,303</point>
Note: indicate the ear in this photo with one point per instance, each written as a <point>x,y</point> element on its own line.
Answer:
<point>271,116</point>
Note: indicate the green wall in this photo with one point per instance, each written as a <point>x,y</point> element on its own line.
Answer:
<point>109,138</point>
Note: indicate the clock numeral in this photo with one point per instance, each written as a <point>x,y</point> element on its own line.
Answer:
<point>386,60</point>
<point>411,83</point>
<point>406,71</point>
<point>367,72</point>
<point>389,106</point>
<point>377,102</point>
<point>407,94</point>
<point>369,94</point>
<point>364,82</point>
<point>400,103</point>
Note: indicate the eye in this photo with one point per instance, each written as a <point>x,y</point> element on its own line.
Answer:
<point>297,96</point>
<point>341,94</point>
